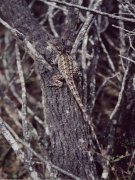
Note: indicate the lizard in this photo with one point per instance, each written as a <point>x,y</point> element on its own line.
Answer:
<point>65,66</point>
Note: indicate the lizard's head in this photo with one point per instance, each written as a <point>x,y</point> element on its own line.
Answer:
<point>56,44</point>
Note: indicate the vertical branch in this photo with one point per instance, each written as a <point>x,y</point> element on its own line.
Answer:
<point>92,75</point>
<point>84,67</point>
<point>24,97</point>
<point>87,24</point>
<point>69,30</point>
<point>50,14</point>
<point>122,38</point>
<point>27,127</point>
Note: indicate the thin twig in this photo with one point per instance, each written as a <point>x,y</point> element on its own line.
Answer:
<point>50,19</point>
<point>129,32</point>
<point>107,54</point>
<point>52,4</point>
<point>27,131</point>
<point>127,58</point>
<point>7,128</point>
<point>29,47</point>
<point>122,38</point>
<point>87,24</point>
<point>120,94</point>
<point>24,96</point>
<point>94,11</point>
<point>14,144</point>
<point>84,67</point>
<point>107,79</point>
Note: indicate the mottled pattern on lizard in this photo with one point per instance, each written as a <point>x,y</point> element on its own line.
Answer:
<point>65,66</point>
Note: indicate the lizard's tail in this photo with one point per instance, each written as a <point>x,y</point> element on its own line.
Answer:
<point>78,99</point>
<point>86,116</point>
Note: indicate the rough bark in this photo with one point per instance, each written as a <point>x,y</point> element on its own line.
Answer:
<point>70,146</point>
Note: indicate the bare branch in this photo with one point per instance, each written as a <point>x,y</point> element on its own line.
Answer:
<point>30,48</point>
<point>95,11</point>
<point>87,24</point>
<point>5,130</point>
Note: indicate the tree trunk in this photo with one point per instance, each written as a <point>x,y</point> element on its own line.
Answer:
<point>70,143</point>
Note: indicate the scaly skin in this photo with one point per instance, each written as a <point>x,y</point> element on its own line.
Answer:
<point>65,66</point>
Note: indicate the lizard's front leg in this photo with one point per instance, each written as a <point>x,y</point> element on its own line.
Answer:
<point>56,81</point>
